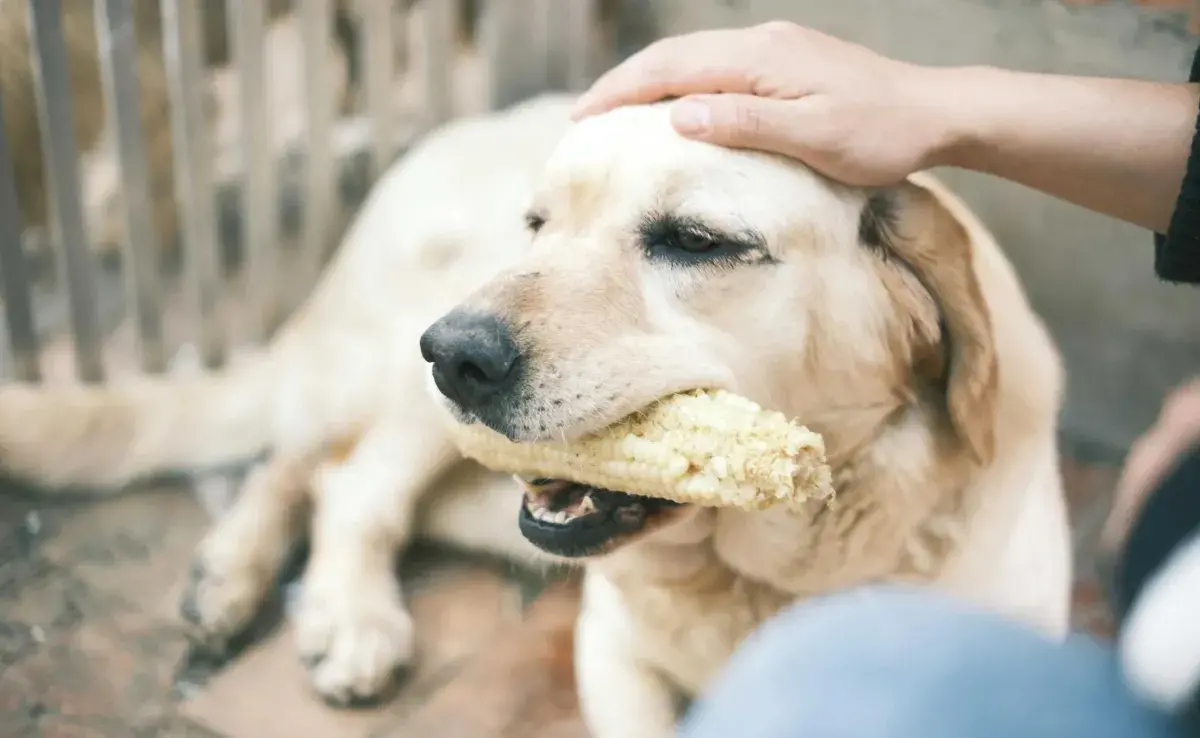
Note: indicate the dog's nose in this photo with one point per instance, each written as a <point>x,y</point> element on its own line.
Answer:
<point>473,357</point>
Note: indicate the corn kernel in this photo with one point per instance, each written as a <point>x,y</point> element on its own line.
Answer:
<point>710,448</point>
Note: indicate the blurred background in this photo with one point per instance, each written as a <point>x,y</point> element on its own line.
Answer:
<point>173,177</point>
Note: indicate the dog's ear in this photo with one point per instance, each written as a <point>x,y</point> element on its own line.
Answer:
<point>911,223</point>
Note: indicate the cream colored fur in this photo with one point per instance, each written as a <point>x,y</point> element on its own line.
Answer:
<point>943,442</point>
<point>934,383</point>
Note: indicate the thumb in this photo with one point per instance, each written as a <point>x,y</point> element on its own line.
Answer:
<point>740,121</point>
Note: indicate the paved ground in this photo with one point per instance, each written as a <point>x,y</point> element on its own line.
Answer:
<point>89,646</point>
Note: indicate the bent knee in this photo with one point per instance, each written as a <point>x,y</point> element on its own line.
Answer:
<point>888,661</point>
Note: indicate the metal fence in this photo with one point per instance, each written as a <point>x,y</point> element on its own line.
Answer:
<point>525,46</point>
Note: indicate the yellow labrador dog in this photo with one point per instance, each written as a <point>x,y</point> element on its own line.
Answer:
<point>558,277</point>
<point>889,321</point>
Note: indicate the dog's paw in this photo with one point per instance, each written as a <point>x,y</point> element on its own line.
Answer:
<point>219,603</point>
<point>354,645</point>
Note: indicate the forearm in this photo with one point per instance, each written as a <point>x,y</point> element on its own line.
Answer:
<point>1118,147</point>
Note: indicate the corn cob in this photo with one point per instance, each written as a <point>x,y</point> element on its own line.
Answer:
<point>709,448</point>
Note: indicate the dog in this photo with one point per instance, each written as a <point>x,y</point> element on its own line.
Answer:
<point>632,263</point>
<point>889,321</point>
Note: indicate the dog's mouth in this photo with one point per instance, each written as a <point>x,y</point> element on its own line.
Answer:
<point>574,520</point>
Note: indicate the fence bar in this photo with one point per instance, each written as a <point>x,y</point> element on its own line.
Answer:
<point>316,20</point>
<point>497,26</point>
<point>193,175</point>
<point>118,70</point>
<point>378,60</point>
<point>439,31</point>
<point>401,37</point>
<point>260,186</point>
<point>579,17</point>
<point>14,272</point>
<point>567,43</point>
<point>513,44</point>
<point>542,33</point>
<point>60,155</point>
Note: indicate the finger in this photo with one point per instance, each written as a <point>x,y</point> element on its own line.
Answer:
<point>1157,466</point>
<point>1150,460</point>
<point>744,122</point>
<point>1181,408</point>
<point>706,61</point>
<point>1142,464</point>
<point>1151,456</point>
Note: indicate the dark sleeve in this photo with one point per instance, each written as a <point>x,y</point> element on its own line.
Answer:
<point>1177,252</point>
<point>1158,575</point>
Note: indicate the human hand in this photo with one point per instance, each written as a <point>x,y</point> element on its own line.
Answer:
<point>1152,457</point>
<point>852,114</point>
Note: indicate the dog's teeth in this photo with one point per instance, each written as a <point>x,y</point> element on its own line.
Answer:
<point>539,511</point>
<point>586,506</point>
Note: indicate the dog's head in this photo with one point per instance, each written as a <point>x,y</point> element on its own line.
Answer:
<point>659,264</point>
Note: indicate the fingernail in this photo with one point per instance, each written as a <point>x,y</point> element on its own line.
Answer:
<point>691,117</point>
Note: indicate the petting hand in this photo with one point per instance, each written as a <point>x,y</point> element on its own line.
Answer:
<point>844,110</point>
<point>1152,456</point>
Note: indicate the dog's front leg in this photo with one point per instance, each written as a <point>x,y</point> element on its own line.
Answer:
<point>236,563</point>
<point>352,628</point>
<point>620,695</point>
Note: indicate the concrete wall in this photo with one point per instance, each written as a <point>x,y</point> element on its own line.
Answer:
<point>1126,337</point>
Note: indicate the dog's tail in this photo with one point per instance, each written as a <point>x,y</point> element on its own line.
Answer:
<point>105,436</point>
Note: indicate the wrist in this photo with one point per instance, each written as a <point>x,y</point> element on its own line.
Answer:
<point>957,105</point>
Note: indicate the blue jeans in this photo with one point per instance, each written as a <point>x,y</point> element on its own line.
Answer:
<point>900,663</point>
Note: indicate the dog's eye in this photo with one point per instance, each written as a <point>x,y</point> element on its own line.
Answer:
<point>684,241</point>
<point>534,222</point>
<point>693,242</point>
<point>689,244</point>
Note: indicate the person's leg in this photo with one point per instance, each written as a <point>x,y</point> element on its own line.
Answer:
<point>897,663</point>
